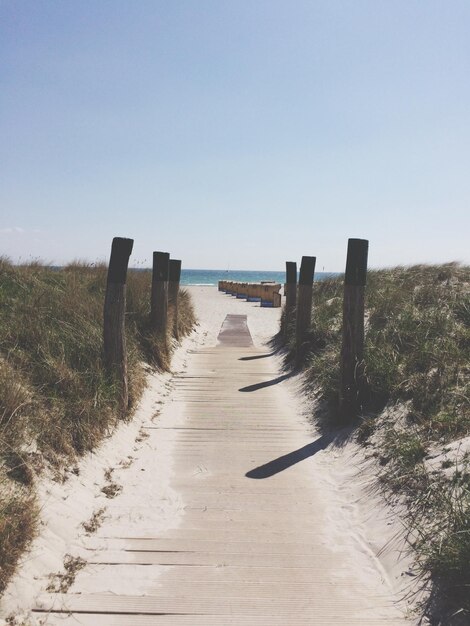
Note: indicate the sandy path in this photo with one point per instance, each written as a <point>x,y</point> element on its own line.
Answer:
<point>224,517</point>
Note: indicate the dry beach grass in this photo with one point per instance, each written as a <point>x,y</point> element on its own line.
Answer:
<point>56,401</point>
<point>416,414</point>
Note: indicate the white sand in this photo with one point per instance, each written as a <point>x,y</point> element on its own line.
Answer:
<point>358,520</point>
<point>212,307</point>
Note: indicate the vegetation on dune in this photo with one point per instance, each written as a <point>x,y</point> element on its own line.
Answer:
<point>417,401</point>
<point>18,514</point>
<point>56,400</point>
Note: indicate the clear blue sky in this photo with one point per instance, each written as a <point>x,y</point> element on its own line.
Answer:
<point>237,133</point>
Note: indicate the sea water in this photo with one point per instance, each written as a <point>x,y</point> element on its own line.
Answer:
<point>212,277</point>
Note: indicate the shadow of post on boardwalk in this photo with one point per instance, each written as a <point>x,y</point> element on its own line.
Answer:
<point>287,460</point>
<point>266,383</point>
<point>257,356</point>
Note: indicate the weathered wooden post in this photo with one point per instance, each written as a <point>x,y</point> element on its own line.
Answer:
<point>291,294</point>
<point>173,291</point>
<point>114,334</point>
<point>352,351</point>
<point>159,294</point>
<point>304,303</point>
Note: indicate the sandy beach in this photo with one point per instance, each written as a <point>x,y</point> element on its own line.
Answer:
<point>142,461</point>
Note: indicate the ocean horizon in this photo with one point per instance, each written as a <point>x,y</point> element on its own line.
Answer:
<point>190,277</point>
<point>210,278</point>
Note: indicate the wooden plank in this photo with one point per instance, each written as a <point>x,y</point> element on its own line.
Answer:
<point>203,573</point>
<point>194,605</point>
<point>151,544</point>
<point>203,558</point>
<point>235,332</point>
<point>204,589</point>
<point>230,428</point>
<point>206,520</point>
<point>93,619</point>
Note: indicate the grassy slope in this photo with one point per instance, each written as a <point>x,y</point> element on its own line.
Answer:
<point>417,358</point>
<point>56,401</point>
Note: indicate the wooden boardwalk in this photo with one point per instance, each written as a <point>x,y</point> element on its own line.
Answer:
<point>253,547</point>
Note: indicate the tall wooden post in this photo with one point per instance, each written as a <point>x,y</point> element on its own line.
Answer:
<point>114,335</point>
<point>291,294</point>
<point>173,291</point>
<point>352,351</point>
<point>159,294</point>
<point>304,303</point>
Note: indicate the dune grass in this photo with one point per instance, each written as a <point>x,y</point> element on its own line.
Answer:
<point>56,401</point>
<point>18,517</point>
<point>417,366</point>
